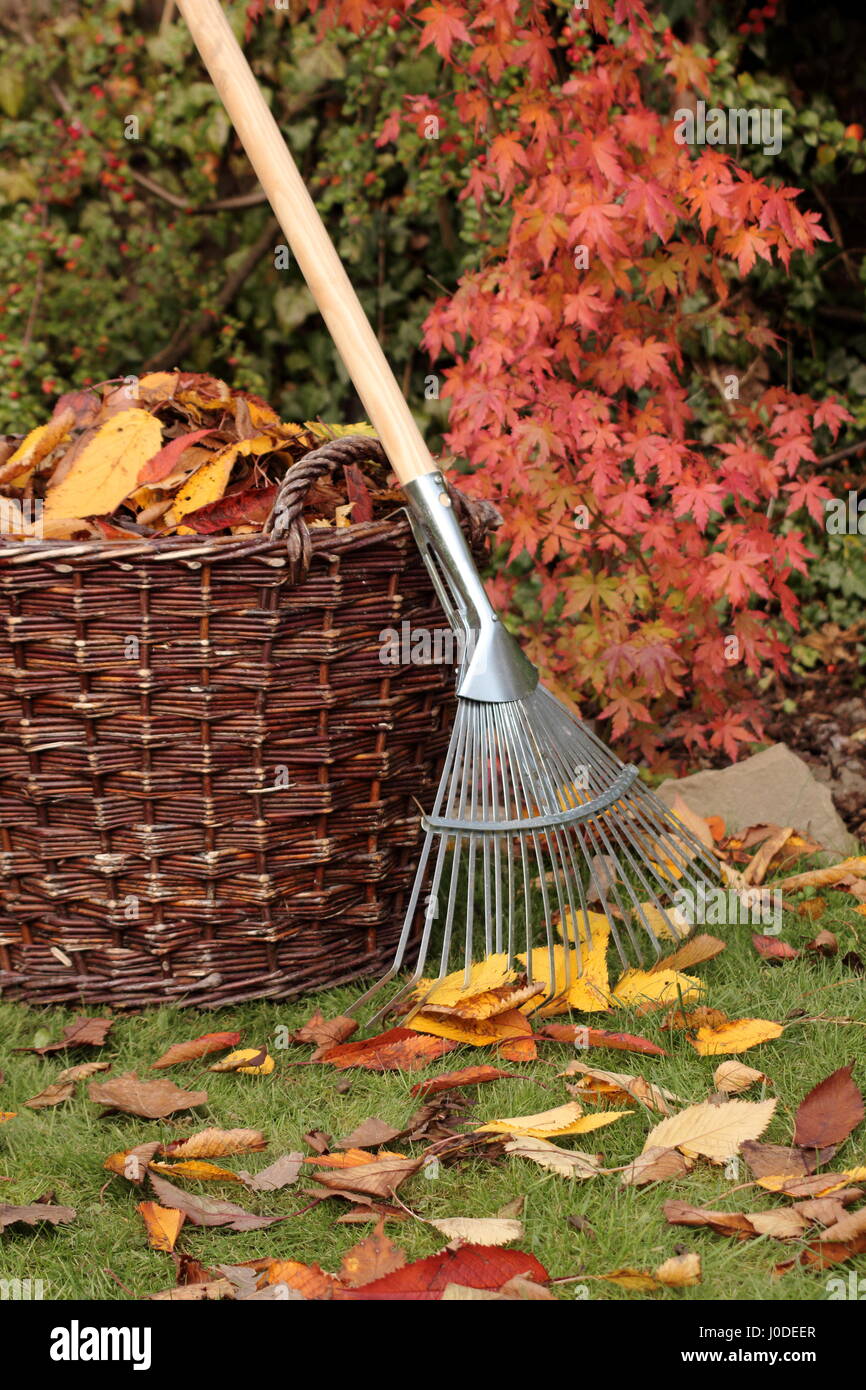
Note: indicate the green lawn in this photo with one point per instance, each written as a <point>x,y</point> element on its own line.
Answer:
<point>63,1150</point>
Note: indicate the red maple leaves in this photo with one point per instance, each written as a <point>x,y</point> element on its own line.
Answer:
<point>572,346</point>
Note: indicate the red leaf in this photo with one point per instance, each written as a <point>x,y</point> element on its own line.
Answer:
<point>474,1266</point>
<point>234,510</point>
<point>470,1076</point>
<point>771,948</point>
<point>599,1037</point>
<point>398,1049</point>
<point>358,492</point>
<point>830,1111</point>
<point>165,461</point>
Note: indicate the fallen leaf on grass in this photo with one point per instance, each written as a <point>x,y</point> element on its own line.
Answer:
<point>447,1081</point>
<point>812,1185</point>
<point>325,1033</point>
<point>34,1213</point>
<point>215,1143</point>
<point>824,944</point>
<point>644,990</point>
<point>692,952</point>
<point>309,1280</point>
<point>492,1230</point>
<point>502,1027</point>
<point>701,1017</point>
<point>736,1036</point>
<point>547,1124</point>
<point>830,1111</point>
<point>477,1007</point>
<point>726,1223</point>
<point>772,949</point>
<point>398,1049</point>
<point>782,1224</point>
<point>251,1061</point>
<point>656,1164</point>
<point>82,1071</point>
<point>7,1115</point>
<point>132,1163</point>
<point>586,988</point>
<point>197,1047</point>
<point>850,1225</point>
<point>756,870</point>
<point>713,1131</point>
<point>813,908</point>
<point>379,1178</point>
<point>620,1086</point>
<point>372,1258</point>
<point>55,1094</point>
<point>763,1159</point>
<point>471,1266</point>
<point>518,1050</point>
<point>516,1290</point>
<point>370,1134</point>
<point>599,1037</point>
<point>197,1169</point>
<point>163,1224</point>
<point>679,1272</point>
<point>568,1163</point>
<point>823,1211</point>
<point>734,1077</point>
<point>212,1290</point>
<point>207,1211</point>
<point>820,1254</point>
<point>82,1032</point>
<point>280,1174</point>
<point>150,1099</point>
<point>822,878</point>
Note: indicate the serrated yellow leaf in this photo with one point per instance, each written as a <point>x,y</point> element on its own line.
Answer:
<point>654,989</point>
<point>106,471</point>
<point>485,975</point>
<point>476,1032</point>
<point>206,484</point>
<point>563,1119</point>
<point>589,990</point>
<point>713,1131</point>
<point>322,431</point>
<point>735,1036</point>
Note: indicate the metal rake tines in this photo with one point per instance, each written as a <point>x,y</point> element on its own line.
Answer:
<point>535,824</point>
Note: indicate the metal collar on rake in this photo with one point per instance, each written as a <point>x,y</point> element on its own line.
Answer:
<point>584,812</point>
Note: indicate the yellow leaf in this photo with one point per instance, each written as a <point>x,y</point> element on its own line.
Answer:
<point>207,484</point>
<point>35,447</point>
<point>637,1280</point>
<point>735,1036</point>
<point>485,975</point>
<point>163,1224</point>
<point>7,1115</point>
<point>714,1131</point>
<point>258,1062</point>
<point>563,1119</point>
<point>195,1168</point>
<point>587,991</point>
<point>692,952</point>
<point>654,989</point>
<point>320,431</point>
<point>680,1271</point>
<point>490,1230</point>
<point>477,1032</point>
<point>733,1077</point>
<point>106,471</point>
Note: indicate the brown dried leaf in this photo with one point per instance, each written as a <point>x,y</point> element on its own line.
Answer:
<point>370,1259</point>
<point>830,1111</point>
<point>279,1174</point>
<point>656,1165</point>
<point>208,1211</point>
<point>55,1094</point>
<point>82,1032</point>
<point>152,1100</point>
<point>197,1047</point>
<point>34,1213</point>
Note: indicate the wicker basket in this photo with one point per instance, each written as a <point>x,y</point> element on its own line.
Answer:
<point>208,778</point>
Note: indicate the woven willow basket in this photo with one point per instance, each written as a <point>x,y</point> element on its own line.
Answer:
<point>208,778</point>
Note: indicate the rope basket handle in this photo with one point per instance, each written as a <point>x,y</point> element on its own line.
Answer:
<point>477,516</point>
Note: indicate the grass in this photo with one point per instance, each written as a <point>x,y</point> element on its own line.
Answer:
<point>63,1150</point>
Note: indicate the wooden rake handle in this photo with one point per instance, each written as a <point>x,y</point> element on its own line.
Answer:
<point>309,241</point>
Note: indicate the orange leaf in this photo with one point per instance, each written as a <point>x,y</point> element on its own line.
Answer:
<point>163,1224</point>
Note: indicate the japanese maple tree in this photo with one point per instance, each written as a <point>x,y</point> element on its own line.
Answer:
<point>661,561</point>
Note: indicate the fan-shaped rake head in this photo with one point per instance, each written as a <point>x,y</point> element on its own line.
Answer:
<point>535,819</point>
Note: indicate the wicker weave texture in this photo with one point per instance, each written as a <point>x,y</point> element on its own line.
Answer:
<point>208,779</point>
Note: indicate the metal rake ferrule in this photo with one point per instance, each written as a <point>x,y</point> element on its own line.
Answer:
<point>582,812</point>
